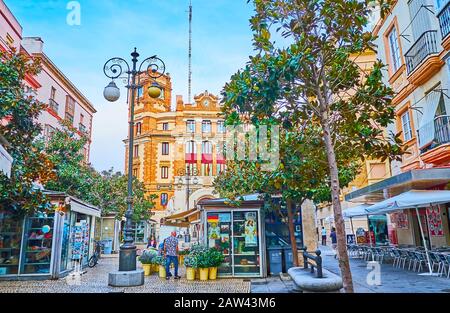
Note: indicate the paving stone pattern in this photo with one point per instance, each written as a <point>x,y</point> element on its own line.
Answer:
<point>96,281</point>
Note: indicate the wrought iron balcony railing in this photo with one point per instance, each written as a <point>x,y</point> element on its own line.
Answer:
<point>438,129</point>
<point>444,20</point>
<point>425,46</point>
<point>53,105</point>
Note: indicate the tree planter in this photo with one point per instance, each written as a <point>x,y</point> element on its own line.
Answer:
<point>162,271</point>
<point>190,273</point>
<point>147,269</point>
<point>204,273</point>
<point>213,273</point>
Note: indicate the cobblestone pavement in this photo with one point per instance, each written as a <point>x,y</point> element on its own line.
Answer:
<point>274,284</point>
<point>393,280</point>
<point>96,281</point>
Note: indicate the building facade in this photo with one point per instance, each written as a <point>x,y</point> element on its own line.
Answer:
<point>414,43</point>
<point>177,153</point>
<point>50,86</point>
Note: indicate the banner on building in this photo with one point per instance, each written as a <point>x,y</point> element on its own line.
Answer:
<point>251,236</point>
<point>435,221</point>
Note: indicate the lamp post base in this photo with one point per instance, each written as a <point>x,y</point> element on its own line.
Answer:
<point>127,260</point>
<point>126,279</point>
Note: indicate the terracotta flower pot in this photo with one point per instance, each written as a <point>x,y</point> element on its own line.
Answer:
<point>204,273</point>
<point>190,273</point>
<point>213,273</point>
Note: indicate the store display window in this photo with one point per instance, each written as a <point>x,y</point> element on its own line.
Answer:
<point>139,232</point>
<point>37,243</point>
<point>65,248</point>
<point>236,234</point>
<point>10,240</point>
<point>378,225</point>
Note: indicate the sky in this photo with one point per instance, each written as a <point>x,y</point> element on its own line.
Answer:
<point>112,28</point>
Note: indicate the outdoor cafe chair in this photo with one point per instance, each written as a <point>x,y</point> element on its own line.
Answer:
<point>420,259</point>
<point>444,264</point>
<point>412,258</point>
<point>435,260</point>
<point>403,258</point>
<point>448,262</point>
<point>396,256</point>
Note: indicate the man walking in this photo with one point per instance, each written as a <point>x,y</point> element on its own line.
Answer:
<point>324,236</point>
<point>334,241</point>
<point>171,254</point>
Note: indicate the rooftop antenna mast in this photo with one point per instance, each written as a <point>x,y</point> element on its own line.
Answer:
<point>190,53</point>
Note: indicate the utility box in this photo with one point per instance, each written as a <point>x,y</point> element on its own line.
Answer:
<point>288,258</point>
<point>275,260</point>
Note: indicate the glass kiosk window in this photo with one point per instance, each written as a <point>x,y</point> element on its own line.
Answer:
<point>10,239</point>
<point>219,236</point>
<point>37,247</point>
<point>246,244</point>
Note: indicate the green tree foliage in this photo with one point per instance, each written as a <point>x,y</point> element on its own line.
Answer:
<point>107,190</point>
<point>315,79</point>
<point>18,113</point>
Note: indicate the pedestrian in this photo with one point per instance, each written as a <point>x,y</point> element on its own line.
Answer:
<point>171,254</point>
<point>151,242</point>
<point>324,236</point>
<point>333,240</point>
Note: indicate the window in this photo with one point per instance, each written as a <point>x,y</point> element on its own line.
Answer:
<point>206,126</point>
<point>165,126</point>
<point>165,148</point>
<point>48,132</point>
<point>164,199</point>
<point>53,93</point>
<point>406,126</point>
<point>207,169</point>
<point>136,151</point>
<point>138,128</point>
<point>220,127</point>
<point>191,169</point>
<point>190,126</point>
<point>135,172</point>
<point>191,147</point>
<point>440,4</point>
<point>140,92</point>
<point>394,48</point>
<point>420,17</point>
<point>162,96</point>
<point>206,147</point>
<point>70,109</point>
<point>220,168</point>
<point>164,172</point>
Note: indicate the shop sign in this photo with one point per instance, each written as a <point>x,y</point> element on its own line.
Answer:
<point>251,238</point>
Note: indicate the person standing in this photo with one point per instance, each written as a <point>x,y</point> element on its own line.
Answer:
<point>151,242</point>
<point>171,254</point>
<point>324,236</point>
<point>333,240</point>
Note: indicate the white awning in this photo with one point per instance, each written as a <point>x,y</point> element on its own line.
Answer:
<point>426,126</point>
<point>359,210</point>
<point>82,208</point>
<point>410,200</point>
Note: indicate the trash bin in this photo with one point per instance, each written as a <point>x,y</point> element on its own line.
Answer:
<point>275,260</point>
<point>288,258</point>
<point>107,246</point>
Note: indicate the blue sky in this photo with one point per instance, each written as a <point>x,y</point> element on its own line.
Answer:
<point>109,28</point>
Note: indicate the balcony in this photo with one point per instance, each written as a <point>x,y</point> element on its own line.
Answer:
<point>425,46</point>
<point>82,128</point>
<point>52,104</point>
<point>444,22</point>
<point>438,152</point>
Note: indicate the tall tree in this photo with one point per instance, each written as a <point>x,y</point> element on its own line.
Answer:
<point>315,78</point>
<point>18,113</point>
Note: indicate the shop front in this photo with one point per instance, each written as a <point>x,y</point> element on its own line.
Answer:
<point>48,243</point>
<point>238,233</point>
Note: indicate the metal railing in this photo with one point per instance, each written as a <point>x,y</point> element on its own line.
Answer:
<point>53,105</point>
<point>442,129</point>
<point>317,262</point>
<point>444,20</point>
<point>423,47</point>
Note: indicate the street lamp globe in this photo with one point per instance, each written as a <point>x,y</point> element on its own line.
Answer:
<point>154,91</point>
<point>111,92</point>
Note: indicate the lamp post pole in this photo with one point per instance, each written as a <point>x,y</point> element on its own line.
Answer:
<point>115,68</point>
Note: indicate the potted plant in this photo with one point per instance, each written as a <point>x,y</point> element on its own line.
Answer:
<point>216,258</point>
<point>203,263</point>
<point>196,250</point>
<point>161,261</point>
<point>147,259</point>
<point>191,264</point>
<point>182,255</point>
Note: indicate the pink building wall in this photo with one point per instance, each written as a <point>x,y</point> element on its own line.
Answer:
<point>10,28</point>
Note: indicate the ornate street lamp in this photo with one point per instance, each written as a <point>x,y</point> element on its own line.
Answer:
<point>153,68</point>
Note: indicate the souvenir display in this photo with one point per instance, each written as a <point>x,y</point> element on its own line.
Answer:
<point>10,237</point>
<point>435,221</point>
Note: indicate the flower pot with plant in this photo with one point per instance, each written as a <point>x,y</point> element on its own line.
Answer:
<point>182,255</point>
<point>147,259</point>
<point>203,263</point>
<point>216,259</point>
<point>161,261</point>
<point>191,264</point>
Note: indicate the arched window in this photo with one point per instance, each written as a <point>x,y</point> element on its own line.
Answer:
<point>206,147</point>
<point>164,199</point>
<point>138,128</point>
<point>191,147</point>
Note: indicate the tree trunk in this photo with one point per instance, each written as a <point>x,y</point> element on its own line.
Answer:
<point>344,263</point>
<point>290,212</point>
